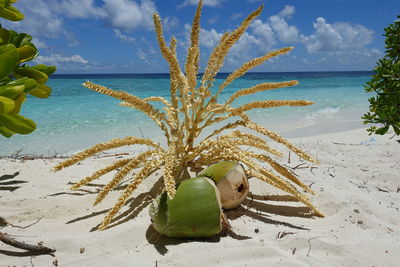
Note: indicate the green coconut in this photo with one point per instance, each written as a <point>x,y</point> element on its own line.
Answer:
<point>231,181</point>
<point>194,212</point>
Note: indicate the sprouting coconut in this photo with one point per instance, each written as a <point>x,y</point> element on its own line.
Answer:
<point>231,181</point>
<point>195,211</point>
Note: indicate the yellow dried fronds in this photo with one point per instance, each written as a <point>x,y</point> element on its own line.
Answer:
<point>157,121</point>
<point>131,101</point>
<point>114,143</point>
<point>254,126</point>
<point>99,173</point>
<point>280,169</point>
<point>132,164</point>
<point>158,99</point>
<point>192,61</point>
<point>259,88</point>
<point>269,104</point>
<point>252,64</point>
<point>240,156</point>
<point>165,50</point>
<point>191,110</point>
<point>230,125</point>
<point>263,176</point>
<point>169,171</point>
<point>147,169</point>
<point>221,50</point>
<point>249,139</point>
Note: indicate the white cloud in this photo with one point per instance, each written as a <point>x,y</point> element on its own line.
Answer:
<point>39,20</point>
<point>170,22</point>
<point>285,32</point>
<point>145,56</point>
<point>123,37</point>
<point>205,3</point>
<point>38,43</point>
<point>287,11</point>
<point>128,14</point>
<point>264,32</point>
<point>208,38</point>
<point>338,36</point>
<point>76,9</point>
<point>56,59</point>
<point>71,39</point>
<point>276,27</point>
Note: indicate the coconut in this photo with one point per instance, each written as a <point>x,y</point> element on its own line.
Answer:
<point>195,211</point>
<point>231,181</point>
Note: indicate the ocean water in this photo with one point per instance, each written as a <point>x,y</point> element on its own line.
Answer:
<point>74,117</point>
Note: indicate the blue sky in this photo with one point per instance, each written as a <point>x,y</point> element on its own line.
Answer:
<point>117,36</point>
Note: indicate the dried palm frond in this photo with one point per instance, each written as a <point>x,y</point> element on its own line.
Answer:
<point>192,108</point>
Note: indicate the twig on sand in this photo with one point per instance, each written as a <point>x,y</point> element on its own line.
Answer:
<point>382,190</point>
<point>309,245</point>
<point>5,222</point>
<point>114,155</point>
<point>282,234</point>
<point>5,238</point>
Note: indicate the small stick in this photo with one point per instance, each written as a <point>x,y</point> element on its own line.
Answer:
<point>5,222</point>
<point>309,245</point>
<point>18,244</point>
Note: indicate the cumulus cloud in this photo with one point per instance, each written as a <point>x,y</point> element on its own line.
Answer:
<point>285,32</point>
<point>277,27</point>
<point>123,37</point>
<point>338,36</point>
<point>127,14</point>
<point>209,38</point>
<point>205,3</point>
<point>39,20</point>
<point>264,32</point>
<point>55,59</point>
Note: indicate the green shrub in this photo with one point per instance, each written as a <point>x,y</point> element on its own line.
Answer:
<point>17,78</point>
<point>385,105</point>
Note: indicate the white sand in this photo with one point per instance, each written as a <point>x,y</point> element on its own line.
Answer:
<point>357,185</point>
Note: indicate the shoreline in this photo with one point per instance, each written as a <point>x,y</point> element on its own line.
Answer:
<point>357,187</point>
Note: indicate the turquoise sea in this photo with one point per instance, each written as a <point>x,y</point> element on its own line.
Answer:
<point>74,118</point>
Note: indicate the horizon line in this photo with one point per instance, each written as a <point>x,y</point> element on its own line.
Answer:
<point>201,73</point>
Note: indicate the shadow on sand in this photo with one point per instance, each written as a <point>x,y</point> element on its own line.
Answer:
<point>257,207</point>
<point>8,184</point>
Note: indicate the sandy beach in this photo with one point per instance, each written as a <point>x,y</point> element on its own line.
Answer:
<point>357,186</point>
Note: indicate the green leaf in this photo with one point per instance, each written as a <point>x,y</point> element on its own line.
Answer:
<point>8,59</point>
<point>4,36</point>
<point>5,131</point>
<point>18,123</point>
<point>41,91</point>
<point>39,76</point>
<point>382,130</point>
<point>18,103</point>
<point>26,53</point>
<point>11,13</point>
<point>11,91</point>
<point>30,84</point>
<point>45,69</point>
<point>6,105</point>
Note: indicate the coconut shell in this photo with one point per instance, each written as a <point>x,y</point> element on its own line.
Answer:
<point>195,211</point>
<point>231,181</point>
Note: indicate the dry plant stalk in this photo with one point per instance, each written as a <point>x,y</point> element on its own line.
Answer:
<point>192,108</point>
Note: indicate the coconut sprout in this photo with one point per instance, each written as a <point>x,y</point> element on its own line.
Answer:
<point>193,107</point>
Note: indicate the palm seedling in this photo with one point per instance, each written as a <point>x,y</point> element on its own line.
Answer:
<point>192,108</point>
